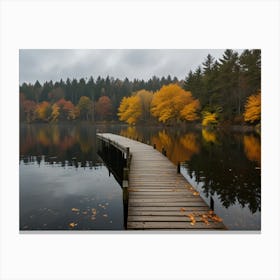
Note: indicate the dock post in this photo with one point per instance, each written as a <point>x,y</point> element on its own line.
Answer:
<point>211,203</point>
<point>125,201</point>
<point>178,167</point>
<point>155,146</point>
<point>127,157</point>
<point>125,174</point>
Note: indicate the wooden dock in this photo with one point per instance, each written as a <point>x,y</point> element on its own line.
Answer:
<point>160,198</point>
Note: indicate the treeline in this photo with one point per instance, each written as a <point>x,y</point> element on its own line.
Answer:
<point>226,90</point>
<point>223,86</point>
<point>85,99</point>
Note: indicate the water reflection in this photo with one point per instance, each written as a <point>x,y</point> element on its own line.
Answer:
<point>252,148</point>
<point>225,165</point>
<point>68,145</point>
<point>64,185</point>
<point>222,164</point>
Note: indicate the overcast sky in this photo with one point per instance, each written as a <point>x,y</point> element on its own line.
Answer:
<point>45,65</point>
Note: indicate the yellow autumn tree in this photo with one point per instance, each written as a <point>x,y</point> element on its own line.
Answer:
<point>130,109</point>
<point>253,108</point>
<point>209,118</point>
<point>145,100</point>
<point>55,112</point>
<point>136,107</point>
<point>43,111</point>
<point>172,103</point>
<point>189,112</point>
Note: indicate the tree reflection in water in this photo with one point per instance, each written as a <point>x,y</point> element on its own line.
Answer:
<point>68,145</point>
<point>225,163</point>
<point>229,170</point>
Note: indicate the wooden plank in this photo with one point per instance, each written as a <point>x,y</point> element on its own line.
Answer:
<point>165,212</point>
<point>174,225</point>
<point>165,218</point>
<point>180,204</point>
<point>164,199</point>
<point>170,208</point>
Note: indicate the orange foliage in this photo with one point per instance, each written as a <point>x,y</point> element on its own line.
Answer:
<point>190,143</point>
<point>181,150</point>
<point>172,102</point>
<point>189,112</point>
<point>29,108</point>
<point>209,136</point>
<point>131,132</point>
<point>130,109</point>
<point>104,107</point>
<point>66,109</point>
<point>252,148</point>
<point>43,111</point>
<point>253,108</point>
<point>209,118</point>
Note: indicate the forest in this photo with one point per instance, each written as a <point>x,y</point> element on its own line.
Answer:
<point>217,92</point>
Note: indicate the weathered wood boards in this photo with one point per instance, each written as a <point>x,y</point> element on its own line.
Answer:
<point>159,197</point>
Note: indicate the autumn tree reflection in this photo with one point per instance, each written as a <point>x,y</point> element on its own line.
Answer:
<point>225,171</point>
<point>252,147</point>
<point>179,147</point>
<point>68,145</point>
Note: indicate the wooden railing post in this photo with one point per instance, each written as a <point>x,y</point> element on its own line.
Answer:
<point>125,174</point>
<point>127,157</point>
<point>211,203</point>
<point>178,167</point>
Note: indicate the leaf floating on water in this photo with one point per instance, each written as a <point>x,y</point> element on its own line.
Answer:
<point>107,203</point>
<point>72,225</point>
<point>93,218</point>
<point>105,215</point>
<point>93,211</point>
<point>85,212</point>
<point>75,210</point>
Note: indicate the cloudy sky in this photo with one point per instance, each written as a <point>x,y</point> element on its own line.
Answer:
<point>45,65</point>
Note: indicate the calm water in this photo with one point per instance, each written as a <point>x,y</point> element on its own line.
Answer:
<point>64,184</point>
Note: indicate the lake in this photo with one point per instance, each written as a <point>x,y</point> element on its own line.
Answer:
<point>65,185</point>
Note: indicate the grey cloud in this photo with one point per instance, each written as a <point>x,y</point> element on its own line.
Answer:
<point>56,64</point>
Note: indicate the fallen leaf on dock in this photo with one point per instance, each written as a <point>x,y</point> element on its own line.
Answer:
<point>196,193</point>
<point>183,209</point>
<point>192,218</point>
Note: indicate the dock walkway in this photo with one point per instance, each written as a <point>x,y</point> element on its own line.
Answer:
<point>160,198</point>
